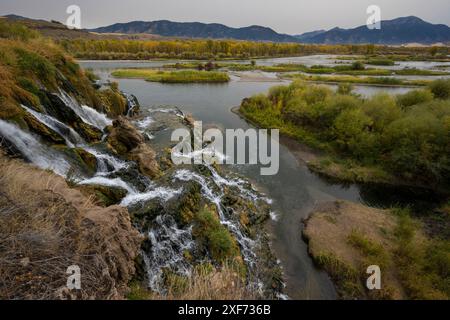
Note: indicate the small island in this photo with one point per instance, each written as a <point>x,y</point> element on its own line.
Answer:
<point>185,76</point>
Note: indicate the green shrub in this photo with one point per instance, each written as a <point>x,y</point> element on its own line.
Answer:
<point>214,236</point>
<point>382,109</point>
<point>351,128</point>
<point>358,65</point>
<point>440,88</point>
<point>345,88</point>
<point>414,97</point>
<point>380,62</point>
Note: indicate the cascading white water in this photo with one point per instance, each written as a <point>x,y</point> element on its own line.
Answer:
<point>109,182</point>
<point>143,123</point>
<point>106,163</point>
<point>71,137</point>
<point>168,246</point>
<point>162,193</point>
<point>245,243</point>
<point>169,243</point>
<point>87,114</point>
<point>33,150</point>
<point>131,103</point>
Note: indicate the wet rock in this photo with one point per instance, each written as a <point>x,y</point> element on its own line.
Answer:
<point>124,139</point>
<point>105,196</point>
<point>42,130</point>
<point>144,155</point>
<point>88,159</point>
<point>133,106</point>
<point>56,108</point>
<point>189,120</point>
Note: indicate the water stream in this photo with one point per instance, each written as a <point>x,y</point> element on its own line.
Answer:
<point>294,191</point>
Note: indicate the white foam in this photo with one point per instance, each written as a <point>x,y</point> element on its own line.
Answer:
<point>33,150</point>
<point>162,193</point>
<point>116,182</point>
<point>86,113</point>
<point>71,137</point>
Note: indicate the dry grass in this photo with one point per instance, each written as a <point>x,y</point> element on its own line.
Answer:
<point>205,283</point>
<point>45,227</point>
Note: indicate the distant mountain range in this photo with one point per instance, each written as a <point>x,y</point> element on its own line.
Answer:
<point>394,32</point>
<point>167,28</point>
<point>398,31</point>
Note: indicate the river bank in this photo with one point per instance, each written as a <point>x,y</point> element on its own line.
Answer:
<point>345,239</point>
<point>339,170</point>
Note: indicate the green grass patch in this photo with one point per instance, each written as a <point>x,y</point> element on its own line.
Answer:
<point>344,276</point>
<point>423,264</point>
<point>373,252</point>
<point>383,81</point>
<point>185,76</point>
<point>214,236</point>
<point>380,62</point>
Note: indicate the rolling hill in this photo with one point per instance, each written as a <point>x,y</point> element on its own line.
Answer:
<point>167,28</point>
<point>393,32</point>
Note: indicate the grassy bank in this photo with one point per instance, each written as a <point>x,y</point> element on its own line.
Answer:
<point>396,139</point>
<point>358,68</point>
<point>345,238</point>
<point>375,81</point>
<point>173,76</point>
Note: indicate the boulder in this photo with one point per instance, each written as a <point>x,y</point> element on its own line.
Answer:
<point>124,139</point>
<point>144,155</point>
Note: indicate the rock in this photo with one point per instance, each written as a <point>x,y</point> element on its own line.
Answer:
<point>105,196</point>
<point>144,155</point>
<point>123,136</point>
<point>189,120</point>
<point>133,106</point>
<point>56,108</point>
<point>42,130</point>
<point>124,139</point>
<point>87,159</point>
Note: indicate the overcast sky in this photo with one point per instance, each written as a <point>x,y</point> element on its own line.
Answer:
<point>284,16</point>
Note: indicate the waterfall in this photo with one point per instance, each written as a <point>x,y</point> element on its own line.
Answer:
<point>245,243</point>
<point>87,114</point>
<point>168,243</point>
<point>109,182</point>
<point>33,150</point>
<point>131,103</point>
<point>106,163</point>
<point>162,193</point>
<point>71,137</point>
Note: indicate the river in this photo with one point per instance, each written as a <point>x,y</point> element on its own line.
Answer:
<point>294,190</point>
